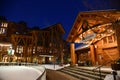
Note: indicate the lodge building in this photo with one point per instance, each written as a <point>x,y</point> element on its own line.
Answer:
<point>19,43</point>
<point>98,33</point>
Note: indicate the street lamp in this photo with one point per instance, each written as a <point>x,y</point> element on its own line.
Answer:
<point>10,53</point>
<point>51,51</point>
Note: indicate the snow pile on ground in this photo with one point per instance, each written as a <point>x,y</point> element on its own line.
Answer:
<point>55,67</point>
<point>19,73</point>
<point>110,76</point>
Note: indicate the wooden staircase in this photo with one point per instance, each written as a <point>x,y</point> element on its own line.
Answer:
<point>84,73</point>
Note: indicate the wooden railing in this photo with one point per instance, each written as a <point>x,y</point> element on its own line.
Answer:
<point>104,64</point>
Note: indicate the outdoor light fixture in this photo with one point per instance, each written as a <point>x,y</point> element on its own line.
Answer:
<point>11,51</point>
<point>5,44</point>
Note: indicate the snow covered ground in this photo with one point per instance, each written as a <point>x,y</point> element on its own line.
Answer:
<point>33,72</point>
<point>19,73</point>
<point>25,72</point>
<point>110,76</point>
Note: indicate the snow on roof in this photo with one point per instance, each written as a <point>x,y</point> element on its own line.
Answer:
<point>82,46</point>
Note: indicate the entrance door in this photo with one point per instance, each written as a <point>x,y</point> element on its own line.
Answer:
<point>46,60</point>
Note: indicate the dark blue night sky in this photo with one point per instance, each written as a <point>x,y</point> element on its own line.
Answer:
<point>44,13</point>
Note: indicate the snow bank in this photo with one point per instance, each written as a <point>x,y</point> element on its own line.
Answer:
<point>110,76</point>
<point>55,67</point>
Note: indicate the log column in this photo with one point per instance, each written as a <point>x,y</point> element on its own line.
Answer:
<point>92,52</point>
<point>117,32</point>
<point>72,51</point>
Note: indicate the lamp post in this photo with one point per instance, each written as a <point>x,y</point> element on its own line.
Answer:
<point>20,58</point>
<point>54,59</point>
<point>0,55</point>
<point>52,52</point>
<point>10,54</point>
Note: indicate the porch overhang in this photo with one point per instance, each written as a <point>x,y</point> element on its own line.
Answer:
<point>90,27</point>
<point>83,46</point>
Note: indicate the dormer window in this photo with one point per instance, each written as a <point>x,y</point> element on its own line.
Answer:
<point>110,39</point>
<point>2,31</point>
<point>104,40</point>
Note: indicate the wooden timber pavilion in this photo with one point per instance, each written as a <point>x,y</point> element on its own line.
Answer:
<point>99,34</point>
<point>18,43</point>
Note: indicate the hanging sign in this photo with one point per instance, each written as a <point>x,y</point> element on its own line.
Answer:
<point>88,37</point>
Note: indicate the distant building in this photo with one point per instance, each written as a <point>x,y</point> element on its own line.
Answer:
<point>31,45</point>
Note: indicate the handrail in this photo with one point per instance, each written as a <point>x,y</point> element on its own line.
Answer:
<point>103,65</point>
<point>106,63</point>
<point>99,67</point>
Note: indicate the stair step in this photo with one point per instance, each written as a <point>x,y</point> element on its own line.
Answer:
<point>81,77</point>
<point>94,76</point>
<point>103,71</point>
<point>88,71</point>
<point>84,74</point>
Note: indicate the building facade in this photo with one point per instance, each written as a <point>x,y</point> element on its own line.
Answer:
<point>19,43</point>
<point>105,51</point>
<point>98,31</point>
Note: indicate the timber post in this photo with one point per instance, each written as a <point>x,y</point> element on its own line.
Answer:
<point>92,52</point>
<point>72,51</point>
<point>116,26</point>
<point>62,60</point>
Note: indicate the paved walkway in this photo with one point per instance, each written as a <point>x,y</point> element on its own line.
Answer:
<point>56,75</point>
<point>53,74</point>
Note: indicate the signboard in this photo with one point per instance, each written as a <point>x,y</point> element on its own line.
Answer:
<point>88,37</point>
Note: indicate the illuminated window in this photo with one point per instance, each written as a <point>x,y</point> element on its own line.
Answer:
<point>4,24</point>
<point>110,40</point>
<point>17,32</point>
<point>29,50</point>
<point>104,41</point>
<point>2,31</point>
<point>34,50</point>
<point>19,49</point>
<point>4,48</point>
